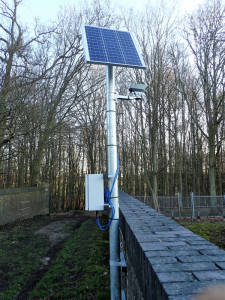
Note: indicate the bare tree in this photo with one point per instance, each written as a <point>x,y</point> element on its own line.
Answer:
<point>205,39</point>
<point>17,69</point>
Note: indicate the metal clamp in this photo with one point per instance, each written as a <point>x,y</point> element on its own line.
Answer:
<point>121,263</point>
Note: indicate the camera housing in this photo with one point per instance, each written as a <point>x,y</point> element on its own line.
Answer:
<point>136,91</point>
<point>137,87</point>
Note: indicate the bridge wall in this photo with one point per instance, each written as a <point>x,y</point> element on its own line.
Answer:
<point>165,260</point>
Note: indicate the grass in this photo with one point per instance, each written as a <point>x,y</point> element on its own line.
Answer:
<point>79,270</point>
<point>20,254</point>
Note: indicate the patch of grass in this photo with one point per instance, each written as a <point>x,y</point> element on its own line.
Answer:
<point>79,270</point>
<point>20,254</point>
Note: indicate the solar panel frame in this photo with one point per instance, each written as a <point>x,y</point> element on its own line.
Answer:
<point>107,47</point>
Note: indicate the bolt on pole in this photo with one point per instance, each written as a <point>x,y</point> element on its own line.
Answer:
<point>112,166</point>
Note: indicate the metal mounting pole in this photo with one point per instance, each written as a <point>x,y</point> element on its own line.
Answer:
<point>112,166</point>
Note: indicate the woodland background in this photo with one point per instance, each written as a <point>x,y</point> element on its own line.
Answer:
<point>52,105</point>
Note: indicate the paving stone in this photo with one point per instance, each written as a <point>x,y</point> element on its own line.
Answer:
<point>175,277</point>
<point>166,244</point>
<point>186,233</point>
<point>175,238</point>
<point>209,275</point>
<point>146,238</point>
<point>174,244</point>
<point>171,253</point>
<point>168,222</point>
<point>152,246</point>
<point>191,267</point>
<point>219,258</point>
<point>194,238</point>
<point>213,251</point>
<point>198,242</point>
<point>200,248</point>
<point>140,231</point>
<point>184,288</point>
<point>177,228</point>
<point>196,258</point>
<point>173,233</point>
<point>158,229</point>
<point>162,260</point>
<point>221,265</point>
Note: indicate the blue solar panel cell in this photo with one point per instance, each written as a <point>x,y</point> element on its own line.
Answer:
<point>95,44</point>
<point>114,47</point>
<point>131,54</point>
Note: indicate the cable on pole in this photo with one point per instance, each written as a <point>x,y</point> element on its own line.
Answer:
<point>107,195</point>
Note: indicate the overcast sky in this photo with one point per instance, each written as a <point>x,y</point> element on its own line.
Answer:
<point>47,9</point>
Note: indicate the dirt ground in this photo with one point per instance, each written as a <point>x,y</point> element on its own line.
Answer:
<point>35,256</point>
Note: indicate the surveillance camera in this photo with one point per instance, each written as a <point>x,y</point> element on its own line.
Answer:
<point>137,87</point>
<point>136,91</point>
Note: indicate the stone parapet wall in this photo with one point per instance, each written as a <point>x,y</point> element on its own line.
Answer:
<point>165,260</point>
<point>22,203</point>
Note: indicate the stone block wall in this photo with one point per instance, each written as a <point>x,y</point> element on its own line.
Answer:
<point>165,260</point>
<point>22,203</point>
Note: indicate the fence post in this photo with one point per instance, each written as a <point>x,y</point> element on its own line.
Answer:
<point>179,204</point>
<point>192,204</point>
<point>223,207</point>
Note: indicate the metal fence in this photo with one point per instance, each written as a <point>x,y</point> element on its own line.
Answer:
<point>192,206</point>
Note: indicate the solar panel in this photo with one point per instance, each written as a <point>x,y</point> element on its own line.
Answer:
<point>111,47</point>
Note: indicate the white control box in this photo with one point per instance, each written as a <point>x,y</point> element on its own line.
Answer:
<point>94,192</point>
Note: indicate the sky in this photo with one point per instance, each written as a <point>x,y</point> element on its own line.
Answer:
<point>47,9</point>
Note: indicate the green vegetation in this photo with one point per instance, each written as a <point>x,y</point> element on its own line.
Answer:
<point>79,270</point>
<point>20,254</point>
<point>213,231</point>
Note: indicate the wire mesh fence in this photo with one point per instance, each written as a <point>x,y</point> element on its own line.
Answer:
<point>192,206</point>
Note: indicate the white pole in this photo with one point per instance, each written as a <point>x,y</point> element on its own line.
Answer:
<point>112,166</point>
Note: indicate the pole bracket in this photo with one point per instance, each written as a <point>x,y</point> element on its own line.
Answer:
<point>115,263</point>
<point>122,263</point>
